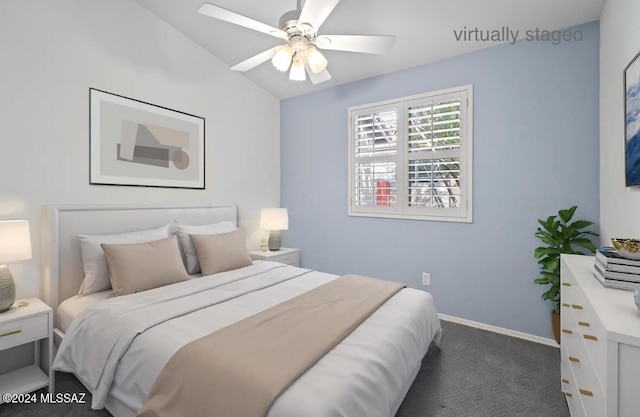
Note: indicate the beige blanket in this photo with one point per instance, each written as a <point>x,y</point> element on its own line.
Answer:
<point>240,370</point>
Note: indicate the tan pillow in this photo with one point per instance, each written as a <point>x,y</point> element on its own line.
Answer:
<point>138,267</point>
<point>189,253</point>
<point>221,252</point>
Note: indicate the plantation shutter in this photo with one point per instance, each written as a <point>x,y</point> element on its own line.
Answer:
<point>412,158</point>
<point>434,154</point>
<point>375,159</point>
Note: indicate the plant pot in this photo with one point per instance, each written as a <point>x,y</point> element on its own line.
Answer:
<point>555,321</point>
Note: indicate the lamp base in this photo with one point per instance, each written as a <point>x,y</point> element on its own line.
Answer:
<point>275,240</point>
<point>7,289</point>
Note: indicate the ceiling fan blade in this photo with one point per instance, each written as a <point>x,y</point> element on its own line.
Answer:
<point>367,44</point>
<point>318,78</point>
<point>315,12</point>
<point>218,12</point>
<point>256,60</point>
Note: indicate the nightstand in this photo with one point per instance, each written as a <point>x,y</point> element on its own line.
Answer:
<point>19,326</point>
<point>287,256</point>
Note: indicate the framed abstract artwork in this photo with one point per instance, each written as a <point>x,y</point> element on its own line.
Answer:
<point>632,122</point>
<point>137,143</point>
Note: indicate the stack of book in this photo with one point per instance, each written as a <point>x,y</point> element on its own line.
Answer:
<point>616,271</point>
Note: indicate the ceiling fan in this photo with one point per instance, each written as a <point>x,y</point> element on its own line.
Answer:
<point>299,29</point>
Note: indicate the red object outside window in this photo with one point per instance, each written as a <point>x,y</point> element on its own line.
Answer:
<point>383,193</point>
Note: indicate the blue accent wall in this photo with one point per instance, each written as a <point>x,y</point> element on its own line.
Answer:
<point>535,151</point>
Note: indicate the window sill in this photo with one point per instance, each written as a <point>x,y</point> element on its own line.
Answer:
<point>451,219</point>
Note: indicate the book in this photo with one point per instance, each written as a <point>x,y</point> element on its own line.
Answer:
<point>621,276</point>
<point>612,283</point>
<point>608,255</point>
<point>613,267</point>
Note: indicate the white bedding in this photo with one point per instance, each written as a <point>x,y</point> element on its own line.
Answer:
<point>73,306</point>
<point>118,346</point>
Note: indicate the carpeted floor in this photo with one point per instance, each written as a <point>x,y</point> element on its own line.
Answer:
<point>482,374</point>
<point>475,373</point>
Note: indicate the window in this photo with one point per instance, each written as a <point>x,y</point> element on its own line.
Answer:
<point>412,157</point>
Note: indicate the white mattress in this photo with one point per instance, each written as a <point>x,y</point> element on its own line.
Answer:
<point>75,305</point>
<point>118,347</point>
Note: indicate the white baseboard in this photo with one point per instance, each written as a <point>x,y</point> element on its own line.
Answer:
<point>501,330</point>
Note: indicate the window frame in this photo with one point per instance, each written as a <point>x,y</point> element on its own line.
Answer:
<point>402,210</point>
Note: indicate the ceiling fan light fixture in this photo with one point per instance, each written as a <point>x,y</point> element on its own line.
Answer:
<point>298,31</point>
<point>317,61</point>
<point>297,69</point>
<point>282,59</point>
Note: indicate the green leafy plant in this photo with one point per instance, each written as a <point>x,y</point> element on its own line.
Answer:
<point>560,236</point>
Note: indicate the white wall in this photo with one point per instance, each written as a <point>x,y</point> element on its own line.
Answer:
<point>619,43</point>
<point>53,51</point>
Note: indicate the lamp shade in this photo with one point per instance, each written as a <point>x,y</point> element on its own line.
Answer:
<point>15,241</point>
<point>274,219</point>
<point>282,59</point>
<point>297,69</point>
<point>317,61</point>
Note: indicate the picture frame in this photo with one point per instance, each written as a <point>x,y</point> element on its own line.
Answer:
<point>136,143</point>
<point>632,122</point>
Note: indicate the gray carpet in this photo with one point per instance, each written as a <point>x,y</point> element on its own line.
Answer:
<point>483,374</point>
<point>474,374</point>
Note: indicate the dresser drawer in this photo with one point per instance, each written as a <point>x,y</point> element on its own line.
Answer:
<point>594,403</point>
<point>569,386</point>
<point>25,330</point>
<point>573,401</point>
<point>591,332</point>
<point>568,319</point>
<point>586,386</point>
<point>595,341</point>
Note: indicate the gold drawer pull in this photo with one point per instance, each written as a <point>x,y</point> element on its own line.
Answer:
<point>567,331</point>
<point>566,381</point>
<point>11,333</point>
<point>565,305</point>
<point>577,306</point>
<point>568,394</point>
<point>566,284</point>
<point>589,337</point>
<point>586,392</point>
<point>583,324</point>
<point>572,359</point>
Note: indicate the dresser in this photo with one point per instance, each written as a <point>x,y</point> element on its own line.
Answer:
<point>600,344</point>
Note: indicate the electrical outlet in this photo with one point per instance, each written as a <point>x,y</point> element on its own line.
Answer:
<point>426,278</point>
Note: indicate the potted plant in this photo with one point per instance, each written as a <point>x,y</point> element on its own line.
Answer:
<point>559,236</point>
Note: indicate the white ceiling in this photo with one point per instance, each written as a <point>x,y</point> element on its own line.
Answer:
<point>424,31</point>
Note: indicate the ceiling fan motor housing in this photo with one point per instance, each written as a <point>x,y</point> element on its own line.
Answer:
<point>289,22</point>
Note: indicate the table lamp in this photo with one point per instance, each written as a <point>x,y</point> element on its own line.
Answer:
<point>15,245</point>
<point>274,220</point>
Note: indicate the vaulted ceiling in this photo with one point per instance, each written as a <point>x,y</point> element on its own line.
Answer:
<point>425,31</point>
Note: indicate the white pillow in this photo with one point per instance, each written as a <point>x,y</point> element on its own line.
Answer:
<point>96,269</point>
<point>189,252</point>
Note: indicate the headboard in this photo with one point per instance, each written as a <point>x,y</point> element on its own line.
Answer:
<point>63,271</point>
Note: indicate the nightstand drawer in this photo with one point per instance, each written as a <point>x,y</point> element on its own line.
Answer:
<point>25,330</point>
<point>288,258</point>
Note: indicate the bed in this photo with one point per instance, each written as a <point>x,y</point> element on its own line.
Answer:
<point>367,373</point>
